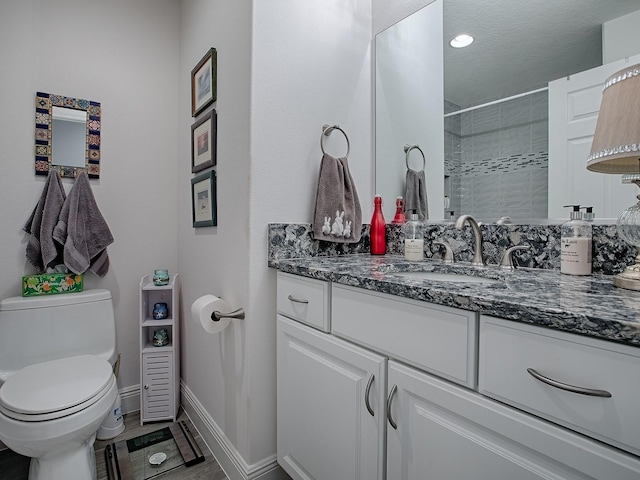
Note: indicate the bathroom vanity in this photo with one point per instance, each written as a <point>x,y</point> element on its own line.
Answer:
<point>409,370</point>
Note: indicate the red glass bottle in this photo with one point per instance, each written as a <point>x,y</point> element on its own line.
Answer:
<point>377,230</point>
<point>399,218</point>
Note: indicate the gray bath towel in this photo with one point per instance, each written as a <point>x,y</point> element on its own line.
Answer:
<point>415,194</point>
<point>337,215</point>
<point>83,231</point>
<point>42,251</point>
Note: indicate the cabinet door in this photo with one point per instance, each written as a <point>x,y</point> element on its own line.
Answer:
<point>331,398</point>
<point>447,432</point>
<point>157,391</point>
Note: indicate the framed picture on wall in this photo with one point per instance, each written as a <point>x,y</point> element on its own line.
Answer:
<point>203,142</point>
<point>204,82</point>
<point>203,200</point>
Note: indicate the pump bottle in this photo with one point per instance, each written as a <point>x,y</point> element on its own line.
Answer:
<point>413,238</point>
<point>575,244</point>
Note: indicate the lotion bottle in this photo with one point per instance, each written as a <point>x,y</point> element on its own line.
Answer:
<point>413,238</point>
<point>575,244</point>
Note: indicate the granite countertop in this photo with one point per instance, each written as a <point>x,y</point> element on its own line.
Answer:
<point>588,305</point>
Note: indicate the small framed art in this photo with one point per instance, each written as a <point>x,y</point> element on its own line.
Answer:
<point>203,142</point>
<point>204,82</point>
<point>203,200</point>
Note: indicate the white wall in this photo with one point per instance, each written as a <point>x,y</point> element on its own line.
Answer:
<point>621,38</point>
<point>283,70</point>
<point>409,110</point>
<point>386,13</point>
<point>124,55</point>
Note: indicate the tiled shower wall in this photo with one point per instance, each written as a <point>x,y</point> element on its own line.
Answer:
<point>496,159</point>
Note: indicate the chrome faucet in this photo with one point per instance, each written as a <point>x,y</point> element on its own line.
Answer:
<point>477,236</point>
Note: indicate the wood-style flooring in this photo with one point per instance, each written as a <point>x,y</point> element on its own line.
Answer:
<point>16,467</point>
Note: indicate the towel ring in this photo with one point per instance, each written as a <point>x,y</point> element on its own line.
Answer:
<point>326,131</point>
<point>408,148</point>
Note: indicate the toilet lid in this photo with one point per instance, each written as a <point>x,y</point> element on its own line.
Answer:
<point>51,389</point>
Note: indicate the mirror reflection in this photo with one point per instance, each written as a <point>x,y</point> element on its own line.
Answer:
<point>67,135</point>
<point>496,151</point>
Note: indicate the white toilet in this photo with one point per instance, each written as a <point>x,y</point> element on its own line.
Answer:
<point>56,379</point>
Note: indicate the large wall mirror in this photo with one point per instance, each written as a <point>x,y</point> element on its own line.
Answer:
<point>489,136</point>
<point>67,135</point>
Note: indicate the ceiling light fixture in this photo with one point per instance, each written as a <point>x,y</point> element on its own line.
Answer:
<point>462,40</point>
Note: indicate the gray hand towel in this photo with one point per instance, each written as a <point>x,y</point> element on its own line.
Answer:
<point>42,251</point>
<point>83,231</point>
<point>337,215</point>
<point>415,194</point>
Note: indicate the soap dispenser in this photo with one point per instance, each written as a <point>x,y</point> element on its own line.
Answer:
<point>575,244</point>
<point>413,238</point>
<point>588,214</point>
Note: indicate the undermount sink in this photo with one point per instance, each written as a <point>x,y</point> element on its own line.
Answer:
<point>447,277</point>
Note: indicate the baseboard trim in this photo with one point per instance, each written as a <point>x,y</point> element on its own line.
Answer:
<point>130,397</point>
<point>223,450</point>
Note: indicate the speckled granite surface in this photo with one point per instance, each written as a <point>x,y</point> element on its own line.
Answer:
<point>589,305</point>
<point>585,305</point>
<point>610,255</point>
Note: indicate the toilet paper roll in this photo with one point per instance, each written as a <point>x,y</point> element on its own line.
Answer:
<point>203,308</point>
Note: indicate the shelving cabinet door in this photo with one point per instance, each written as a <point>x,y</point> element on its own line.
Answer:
<point>157,391</point>
<point>326,387</point>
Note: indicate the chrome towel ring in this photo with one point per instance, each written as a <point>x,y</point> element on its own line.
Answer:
<point>408,148</point>
<point>326,131</point>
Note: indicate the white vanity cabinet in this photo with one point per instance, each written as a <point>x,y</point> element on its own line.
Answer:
<point>440,420</point>
<point>588,385</point>
<point>448,432</point>
<point>330,406</point>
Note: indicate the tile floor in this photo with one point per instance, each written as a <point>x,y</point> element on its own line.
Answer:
<point>16,467</point>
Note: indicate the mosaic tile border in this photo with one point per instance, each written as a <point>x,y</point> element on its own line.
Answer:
<point>43,138</point>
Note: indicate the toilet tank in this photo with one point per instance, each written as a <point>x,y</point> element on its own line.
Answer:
<point>37,329</point>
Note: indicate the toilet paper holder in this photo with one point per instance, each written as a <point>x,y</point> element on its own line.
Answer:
<point>216,316</point>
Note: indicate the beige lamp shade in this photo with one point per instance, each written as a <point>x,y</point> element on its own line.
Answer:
<point>616,142</point>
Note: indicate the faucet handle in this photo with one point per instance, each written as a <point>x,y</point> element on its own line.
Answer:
<point>507,260</point>
<point>448,252</point>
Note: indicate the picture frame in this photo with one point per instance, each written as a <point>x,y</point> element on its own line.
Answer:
<point>204,142</point>
<point>203,200</point>
<point>204,82</point>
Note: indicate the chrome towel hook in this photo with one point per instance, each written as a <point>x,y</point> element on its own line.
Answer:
<point>408,148</point>
<point>326,131</point>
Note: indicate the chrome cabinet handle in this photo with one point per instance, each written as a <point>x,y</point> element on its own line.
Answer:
<point>569,388</point>
<point>297,300</point>
<point>389,400</point>
<point>366,395</point>
<point>146,387</point>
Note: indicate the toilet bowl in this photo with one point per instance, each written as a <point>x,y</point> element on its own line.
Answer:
<point>51,412</point>
<point>56,380</point>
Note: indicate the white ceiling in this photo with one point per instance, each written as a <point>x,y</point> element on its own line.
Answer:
<point>522,44</point>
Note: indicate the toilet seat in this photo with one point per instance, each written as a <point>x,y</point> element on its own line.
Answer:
<point>54,389</point>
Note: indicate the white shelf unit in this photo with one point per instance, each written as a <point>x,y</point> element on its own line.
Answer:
<point>159,366</point>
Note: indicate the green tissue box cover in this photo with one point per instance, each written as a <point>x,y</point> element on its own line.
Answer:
<point>51,283</point>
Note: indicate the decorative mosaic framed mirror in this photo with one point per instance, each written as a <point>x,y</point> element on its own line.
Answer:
<point>67,135</point>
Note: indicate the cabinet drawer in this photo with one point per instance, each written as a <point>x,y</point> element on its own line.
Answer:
<point>438,339</point>
<point>304,299</point>
<point>508,350</point>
